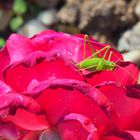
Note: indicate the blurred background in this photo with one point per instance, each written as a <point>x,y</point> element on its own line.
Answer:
<point>109,21</point>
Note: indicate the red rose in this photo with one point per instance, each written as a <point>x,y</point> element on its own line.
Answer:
<point>44,95</point>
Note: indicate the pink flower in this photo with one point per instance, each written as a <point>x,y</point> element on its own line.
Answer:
<point>43,94</point>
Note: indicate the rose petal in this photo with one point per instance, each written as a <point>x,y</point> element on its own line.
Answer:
<point>59,102</point>
<point>27,102</point>
<point>133,91</point>
<point>125,75</point>
<point>32,135</point>
<point>129,71</point>
<point>5,60</point>
<point>135,134</point>
<point>85,121</point>
<point>127,108</point>
<point>118,135</point>
<point>8,131</point>
<point>4,88</point>
<point>28,120</point>
<point>71,129</point>
<point>37,87</point>
<point>11,100</point>
<point>19,47</point>
<point>43,39</point>
<point>112,138</point>
<point>23,73</point>
<point>74,45</point>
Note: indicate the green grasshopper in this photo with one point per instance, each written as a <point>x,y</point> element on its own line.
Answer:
<point>94,62</point>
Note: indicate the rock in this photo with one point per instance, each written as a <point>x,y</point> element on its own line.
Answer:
<point>130,39</point>
<point>100,37</point>
<point>137,9</point>
<point>31,28</point>
<point>48,17</point>
<point>106,15</point>
<point>133,56</point>
<point>98,15</point>
<point>69,12</point>
<point>68,29</point>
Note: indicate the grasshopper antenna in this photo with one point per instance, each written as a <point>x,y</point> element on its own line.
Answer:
<point>106,47</point>
<point>111,53</point>
<point>87,40</point>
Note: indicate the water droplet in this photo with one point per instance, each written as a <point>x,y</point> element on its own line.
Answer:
<point>69,53</point>
<point>58,54</point>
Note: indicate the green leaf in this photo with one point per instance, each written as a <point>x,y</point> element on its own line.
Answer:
<point>15,23</point>
<point>19,7</point>
<point>2,42</point>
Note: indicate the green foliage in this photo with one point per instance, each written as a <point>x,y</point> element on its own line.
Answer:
<point>16,22</point>
<point>2,42</point>
<point>19,10</point>
<point>19,7</point>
